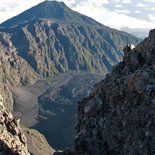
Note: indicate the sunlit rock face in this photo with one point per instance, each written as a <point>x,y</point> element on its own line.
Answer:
<point>12,140</point>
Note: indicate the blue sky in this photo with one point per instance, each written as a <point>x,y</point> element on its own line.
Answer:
<point>130,15</point>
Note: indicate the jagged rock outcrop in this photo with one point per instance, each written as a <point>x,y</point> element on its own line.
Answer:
<point>118,118</point>
<point>12,140</point>
<point>7,96</point>
<point>14,69</point>
<point>36,142</point>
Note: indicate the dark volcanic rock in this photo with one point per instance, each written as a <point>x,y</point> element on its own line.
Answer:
<point>118,118</point>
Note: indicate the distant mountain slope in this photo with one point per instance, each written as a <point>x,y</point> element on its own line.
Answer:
<point>53,38</point>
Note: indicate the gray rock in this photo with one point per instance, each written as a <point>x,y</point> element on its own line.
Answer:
<point>12,140</point>
<point>124,121</point>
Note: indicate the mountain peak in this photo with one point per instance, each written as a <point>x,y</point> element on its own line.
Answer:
<point>46,10</point>
<point>51,10</point>
<point>49,2</point>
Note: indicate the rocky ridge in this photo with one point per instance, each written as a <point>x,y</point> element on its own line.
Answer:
<point>118,117</point>
<point>12,140</point>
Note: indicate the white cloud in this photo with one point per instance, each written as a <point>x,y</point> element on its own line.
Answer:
<point>122,11</point>
<point>152,9</point>
<point>97,3</point>
<point>126,1</point>
<point>111,18</point>
<point>10,8</point>
<point>149,1</point>
<point>68,2</point>
<point>151,17</point>
<point>118,6</point>
<point>141,5</point>
<point>102,1</point>
<point>115,1</point>
<point>138,12</point>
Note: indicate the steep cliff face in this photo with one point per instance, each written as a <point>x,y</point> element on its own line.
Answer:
<point>14,70</point>
<point>12,140</point>
<point>36,142</point>
<point>53,42</point>
<point>118,118</point>
<point>7,96</point>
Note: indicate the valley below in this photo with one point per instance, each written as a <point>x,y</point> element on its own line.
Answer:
<point>50,105</point>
